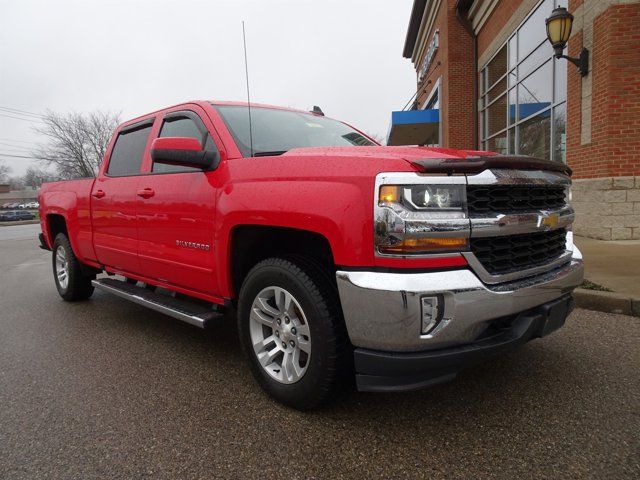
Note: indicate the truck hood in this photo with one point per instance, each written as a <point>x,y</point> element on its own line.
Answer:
<point>387,153</point>
<point>437,160</point>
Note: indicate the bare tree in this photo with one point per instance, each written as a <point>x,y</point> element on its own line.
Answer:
<point>5,170</point>
<point>35,177</point>
<point>16,183</point>
<point>77,142</point>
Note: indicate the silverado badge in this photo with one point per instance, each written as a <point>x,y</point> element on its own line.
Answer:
<point>194,245</point>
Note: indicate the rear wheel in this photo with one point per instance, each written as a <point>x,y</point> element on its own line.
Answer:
<point>291,329</point>
<point>71,282</point>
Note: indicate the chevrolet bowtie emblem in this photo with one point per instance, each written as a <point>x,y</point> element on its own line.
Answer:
<point>550,221</point>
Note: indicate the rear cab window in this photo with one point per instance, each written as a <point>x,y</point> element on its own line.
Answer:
<point>128,152</point>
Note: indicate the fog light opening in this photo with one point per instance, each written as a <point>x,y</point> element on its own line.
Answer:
<point>431,313</point>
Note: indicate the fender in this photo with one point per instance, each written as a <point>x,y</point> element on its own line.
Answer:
<point>74,207</point>
<point>305,189</point>
<point>294,204</point>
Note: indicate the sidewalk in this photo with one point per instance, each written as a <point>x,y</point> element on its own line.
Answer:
<point>612,264</point>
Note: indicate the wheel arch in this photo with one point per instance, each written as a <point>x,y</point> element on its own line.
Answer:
<point>56,223</point>
<point>250,244</point>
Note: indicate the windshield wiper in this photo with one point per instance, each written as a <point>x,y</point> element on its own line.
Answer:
<point>269,154</point>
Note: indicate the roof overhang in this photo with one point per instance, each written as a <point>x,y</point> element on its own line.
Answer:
<point>417,12</point>
<point>414,127</point>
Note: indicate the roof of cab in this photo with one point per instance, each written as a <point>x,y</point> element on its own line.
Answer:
<point>204,103</point>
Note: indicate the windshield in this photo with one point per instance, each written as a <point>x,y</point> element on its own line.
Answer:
<point>277,131</point>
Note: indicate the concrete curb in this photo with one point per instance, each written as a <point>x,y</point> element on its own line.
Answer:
<point>19,222</point>
<point>609,302</point>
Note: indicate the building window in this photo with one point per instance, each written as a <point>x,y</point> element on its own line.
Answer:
<point>523,93</point>
<point>433,103</point>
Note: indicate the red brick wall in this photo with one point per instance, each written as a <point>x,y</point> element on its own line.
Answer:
<point>497,20</point>
<point>614,149</point>
<point>454,63</point>
<point>573,4</point>
<point>462,113</point>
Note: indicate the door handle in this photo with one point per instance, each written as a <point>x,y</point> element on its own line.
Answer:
<point>146,193</point>
<point>98,194</point>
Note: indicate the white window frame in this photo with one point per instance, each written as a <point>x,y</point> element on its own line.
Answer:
<point>436,90</point>
<point>484,104</point>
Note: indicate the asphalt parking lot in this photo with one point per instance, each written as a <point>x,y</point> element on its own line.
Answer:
<point>108,389</point>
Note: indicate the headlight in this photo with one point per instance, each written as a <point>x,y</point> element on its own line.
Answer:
<point>418,219</point>
<point>440,197</point>
<point>423,197</point>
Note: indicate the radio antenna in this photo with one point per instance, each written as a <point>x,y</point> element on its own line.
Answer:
<point>246,73</point>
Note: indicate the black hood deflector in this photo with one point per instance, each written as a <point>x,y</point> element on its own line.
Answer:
<point>477,164</point>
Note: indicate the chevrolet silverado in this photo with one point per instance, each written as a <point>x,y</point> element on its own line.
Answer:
<point>344,259</point>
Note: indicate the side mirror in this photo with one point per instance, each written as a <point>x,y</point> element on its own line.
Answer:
<point>185,151</point>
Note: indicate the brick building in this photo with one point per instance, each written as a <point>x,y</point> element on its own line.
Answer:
<point>17,196</point>
<point>488,72</point>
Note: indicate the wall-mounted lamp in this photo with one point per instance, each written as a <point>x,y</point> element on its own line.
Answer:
<point>558,32</point>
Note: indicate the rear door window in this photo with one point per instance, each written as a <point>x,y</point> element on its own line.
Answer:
<point>184,124</point>
<point>128,152</point>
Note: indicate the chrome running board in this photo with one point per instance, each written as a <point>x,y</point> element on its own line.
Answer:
<point>185,310</point>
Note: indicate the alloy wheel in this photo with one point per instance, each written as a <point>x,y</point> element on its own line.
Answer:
<point>62,267</point>
<point>280,335</point>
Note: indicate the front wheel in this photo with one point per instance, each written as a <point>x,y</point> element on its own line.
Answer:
<point>292,331</point>
<point>71,282</point>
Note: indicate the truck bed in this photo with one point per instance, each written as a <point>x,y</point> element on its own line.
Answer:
<point>71,199</point>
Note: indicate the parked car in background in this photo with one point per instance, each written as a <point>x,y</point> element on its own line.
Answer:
<point>6,205</point>
<point>32,205</point>
<point>16,215</point>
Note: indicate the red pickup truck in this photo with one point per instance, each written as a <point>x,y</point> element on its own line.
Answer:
<point>396,266</point>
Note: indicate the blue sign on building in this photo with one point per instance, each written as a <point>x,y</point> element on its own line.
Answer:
<point>414,127</point>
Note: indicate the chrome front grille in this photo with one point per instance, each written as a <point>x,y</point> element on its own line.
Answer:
<point>516,222</point>
<point>513,253</point>
<point>484,199</point>
<point>519,222</point>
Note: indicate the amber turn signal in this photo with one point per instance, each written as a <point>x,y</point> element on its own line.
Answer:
<point>389,194</point>
<point>424,245</point>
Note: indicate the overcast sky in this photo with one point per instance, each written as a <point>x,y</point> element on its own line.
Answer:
<point>136,56</point>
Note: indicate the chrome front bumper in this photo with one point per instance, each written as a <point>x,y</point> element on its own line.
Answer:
<point>382,311</point>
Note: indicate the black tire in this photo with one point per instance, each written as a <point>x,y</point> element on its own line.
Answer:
<point>329,363</point>
<point>79,285</point>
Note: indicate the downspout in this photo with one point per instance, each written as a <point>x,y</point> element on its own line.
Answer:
<point>462,9</point>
